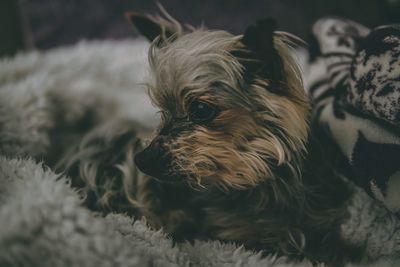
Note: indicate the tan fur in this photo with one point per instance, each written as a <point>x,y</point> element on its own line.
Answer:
<point>234,152</point>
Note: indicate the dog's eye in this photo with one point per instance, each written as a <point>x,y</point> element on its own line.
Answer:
<point>201,112</point>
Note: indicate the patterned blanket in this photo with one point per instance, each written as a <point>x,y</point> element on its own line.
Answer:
<point>354,81</point>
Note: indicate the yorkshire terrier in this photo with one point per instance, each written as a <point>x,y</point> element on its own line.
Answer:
<point>233,158</point>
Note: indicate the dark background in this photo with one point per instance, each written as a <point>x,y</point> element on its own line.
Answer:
<point>45,24</point>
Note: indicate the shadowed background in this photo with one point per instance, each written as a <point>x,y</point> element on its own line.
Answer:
<point>46,24</point>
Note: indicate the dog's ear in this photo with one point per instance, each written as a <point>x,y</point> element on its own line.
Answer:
<point>265,60</point>
<point>153,27</point>
<point>146,26</point>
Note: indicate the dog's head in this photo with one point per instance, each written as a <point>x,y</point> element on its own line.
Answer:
<point>233,107</point>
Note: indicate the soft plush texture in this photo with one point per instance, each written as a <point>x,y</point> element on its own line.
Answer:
<point>43,224</point>
<point>50,94</point>
<point>42,94</point>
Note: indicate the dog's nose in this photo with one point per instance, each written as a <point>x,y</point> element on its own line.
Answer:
<point>153,160</point>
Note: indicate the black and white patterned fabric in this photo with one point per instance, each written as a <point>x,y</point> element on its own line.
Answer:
<point>354,81</point>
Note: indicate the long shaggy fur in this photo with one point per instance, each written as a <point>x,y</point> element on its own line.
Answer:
<point>254,175</point>
<point>253,128</point>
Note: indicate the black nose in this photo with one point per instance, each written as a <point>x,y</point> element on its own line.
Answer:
<point>154,159</point>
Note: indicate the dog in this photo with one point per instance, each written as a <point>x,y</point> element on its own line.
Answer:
<point>234,158</point>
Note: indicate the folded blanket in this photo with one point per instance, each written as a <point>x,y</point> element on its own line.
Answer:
<point>354,82</point>
<point>45,98</point>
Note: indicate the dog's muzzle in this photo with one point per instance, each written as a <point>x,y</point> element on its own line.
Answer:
<point>154,159</point>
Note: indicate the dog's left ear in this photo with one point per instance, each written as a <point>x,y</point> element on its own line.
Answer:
<point>153,27</point>
<point>259,39</point>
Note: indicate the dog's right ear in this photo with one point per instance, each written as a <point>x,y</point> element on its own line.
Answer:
<point>259,38</point>
<point>153,27</point>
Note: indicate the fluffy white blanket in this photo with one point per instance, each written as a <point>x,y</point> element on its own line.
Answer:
<point>43,95</point>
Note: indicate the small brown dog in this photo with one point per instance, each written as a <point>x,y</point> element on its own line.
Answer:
<point>233,158</point>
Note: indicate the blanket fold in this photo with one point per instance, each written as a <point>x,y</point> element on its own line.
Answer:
<point>354,83</point>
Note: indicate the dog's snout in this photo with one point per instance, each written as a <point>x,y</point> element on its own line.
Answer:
<point>153,160</point>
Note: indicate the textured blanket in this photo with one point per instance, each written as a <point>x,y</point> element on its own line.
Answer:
<point>354,81</point>
<point>45,101</point>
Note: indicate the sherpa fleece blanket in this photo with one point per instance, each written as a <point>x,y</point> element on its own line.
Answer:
<point>44,97</point>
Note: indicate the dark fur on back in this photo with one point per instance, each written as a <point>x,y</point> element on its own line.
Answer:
<point>307,223</point>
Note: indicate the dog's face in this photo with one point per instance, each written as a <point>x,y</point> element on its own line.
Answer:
<point>233,107</point>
